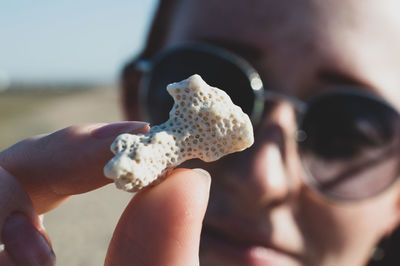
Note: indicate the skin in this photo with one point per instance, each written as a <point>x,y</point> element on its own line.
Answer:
<point>258,197</point>
<point>40,173</point>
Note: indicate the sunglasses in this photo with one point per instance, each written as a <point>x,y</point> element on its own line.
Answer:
<point>348,140</point>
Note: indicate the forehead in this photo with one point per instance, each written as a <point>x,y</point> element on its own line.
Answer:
<point>301,45</point>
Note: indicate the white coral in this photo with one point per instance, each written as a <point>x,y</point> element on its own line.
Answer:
<point>203,123</point>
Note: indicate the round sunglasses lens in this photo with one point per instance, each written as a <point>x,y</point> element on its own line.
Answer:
<point>351,148</point>
<point>179,64</point>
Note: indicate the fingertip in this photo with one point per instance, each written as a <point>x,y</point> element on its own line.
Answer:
<point>180,198</point>
<point>193,185</point>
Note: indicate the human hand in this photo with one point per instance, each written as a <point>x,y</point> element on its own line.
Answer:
<point>160,226</point>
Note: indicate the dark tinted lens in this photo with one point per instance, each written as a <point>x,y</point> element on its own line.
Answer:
<point>181,63</point>
<point>351,148</point>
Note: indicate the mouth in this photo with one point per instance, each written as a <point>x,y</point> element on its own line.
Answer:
<point>230,248</point>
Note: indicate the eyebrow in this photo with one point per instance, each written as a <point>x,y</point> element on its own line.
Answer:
<point>329,76</point>
<point>334,78</point>
<point>244,50</point>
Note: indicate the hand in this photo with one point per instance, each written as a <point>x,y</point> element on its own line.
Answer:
<point>160,226</point>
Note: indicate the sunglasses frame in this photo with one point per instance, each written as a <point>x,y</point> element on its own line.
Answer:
<point>346,90</point>
<point>262,95</point>
<point>256,85</point>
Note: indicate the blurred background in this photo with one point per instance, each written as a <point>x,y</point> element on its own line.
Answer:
<point>59,65</point>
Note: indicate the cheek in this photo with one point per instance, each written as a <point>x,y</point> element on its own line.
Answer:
<point>346,232</point>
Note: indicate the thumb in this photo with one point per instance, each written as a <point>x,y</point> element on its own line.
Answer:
<point>162,225</point>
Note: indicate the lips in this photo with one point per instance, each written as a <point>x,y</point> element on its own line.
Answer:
<point>230,245</point>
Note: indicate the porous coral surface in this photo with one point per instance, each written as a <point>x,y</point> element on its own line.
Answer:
<point>203,123</point>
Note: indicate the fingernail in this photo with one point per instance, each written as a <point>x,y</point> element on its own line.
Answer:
<point>117,128</point>
<point>24,243</point>
<point>206,175</point>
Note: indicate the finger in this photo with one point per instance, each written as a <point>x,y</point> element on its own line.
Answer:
<point>67,162</point>
<point>162,225</point>
<point>21,230</point>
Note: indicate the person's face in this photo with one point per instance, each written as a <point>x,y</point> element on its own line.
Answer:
<point>260,211</point>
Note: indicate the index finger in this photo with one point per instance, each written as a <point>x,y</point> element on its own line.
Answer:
<point>67,162</point>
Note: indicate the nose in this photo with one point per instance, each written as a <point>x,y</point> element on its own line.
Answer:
<point>267,173</point>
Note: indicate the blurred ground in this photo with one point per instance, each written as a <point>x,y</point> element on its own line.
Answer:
<point>81,228</point>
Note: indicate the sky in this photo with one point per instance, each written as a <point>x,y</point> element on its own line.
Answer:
<point>70,40</point>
